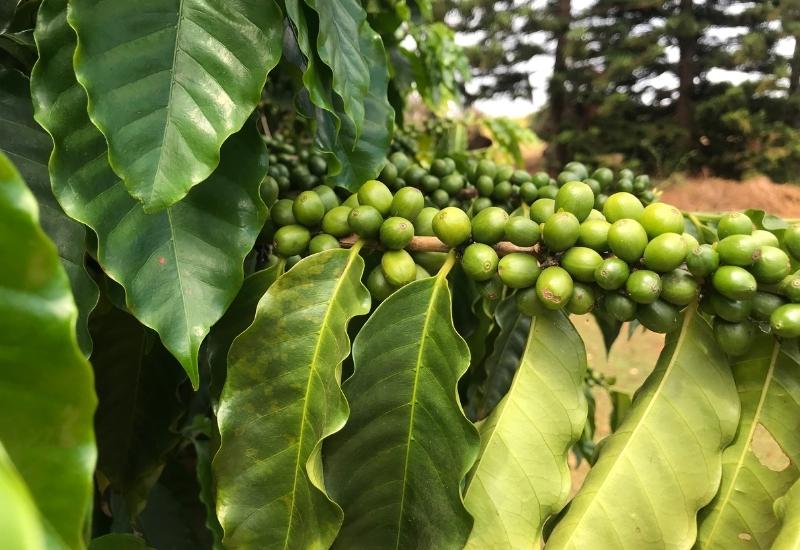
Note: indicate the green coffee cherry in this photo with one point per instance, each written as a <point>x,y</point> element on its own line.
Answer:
<point>620,206</point>
<point>335,221</point>
<point>772,264</point>
<point>548,192</point>
<point>604,176</point>
<point>678,287</point>
<point>439,168</point>
<point>491,290</point>
<point>377,195</point>
<point>486,167</point>
<point>790,287</point>
<point>791,240</point>
<point>575,197</point>
<point>429,183</point>
<point>611,274</point>
<point>577,168</point>
<point>440,198</point>
<point>765,238</point>
<point>365,221</point>
<point>785,321</point>
<point>733,311</point>
<point>658,316</point>
<point>351,201</point>
<point>643,286</point>
<point>502,191</point>
<point>485,186</point>
<point>452,183</point>
<point>581,263</point>
<point>378,286</point>
<point>582,300</point>
<point>452,226</point>
<point>737,250</point>
<point>561,231</point>
<point>269,190</point>
<point>481,203</point>
<point>521,231</point>
<point>735,339</point>
<point>322,242</point>
<point>488,226</point>
<point>398,267</point>
<point>518,270</point>
<point>691,241</point>
<point>659,218</point>
<point>291,240</point>
<point>594,234</point>
<point>528,302</point>
<point>764,304</point>
<point>665,252</point>
<point>734,223</point>
<point>567,176</point>
<point>702,261</point>
<point>407,203</point>
<point>327,195</point>
<point>422,273</point>
<point>423,225</point>
<point>281,212</point>
<point>540,179</point>
<point>554,287</point>
<point>734,282</point>
<point>542,209</point>
<point>431,261</point>
<point>400,160</point>
<point>528,192</point>
<point>396,233</point>
<point>627,239</point>
<point>620,307</point>
<point>480,262</point>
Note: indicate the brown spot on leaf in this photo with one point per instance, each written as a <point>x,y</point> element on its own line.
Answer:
<point>767,450</point>
<point>162,260</point>
<point>745,536</point>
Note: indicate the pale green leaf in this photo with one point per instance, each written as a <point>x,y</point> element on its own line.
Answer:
<point>664,462</point>
<point>19,520</point>
<point>180,267</point>
<point>280,400</point>
<point>397,466</point>
<point>237,318</point>
<point>340,48</point>
<point>787,509</point>
<point>522,477</point>
<point>28,147</point>
<point>168,82</point>
<point>762,463</point>
<point>46,388</point>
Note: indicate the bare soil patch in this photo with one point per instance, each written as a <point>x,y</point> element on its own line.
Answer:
<point>707,194</point>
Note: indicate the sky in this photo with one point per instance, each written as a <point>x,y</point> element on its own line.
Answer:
<point>540,68</point>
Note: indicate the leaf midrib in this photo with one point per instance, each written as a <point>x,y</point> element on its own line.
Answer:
<point>314,360</point>
<point>768,380</point>
<point>441,276</point>
<point>691,314</point>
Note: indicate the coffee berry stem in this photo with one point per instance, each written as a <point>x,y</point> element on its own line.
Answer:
<point>432,244</point>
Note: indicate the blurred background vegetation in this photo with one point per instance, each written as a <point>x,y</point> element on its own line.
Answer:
<point>697,86</point>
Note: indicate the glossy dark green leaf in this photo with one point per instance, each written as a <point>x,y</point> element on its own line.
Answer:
<point>19,520</point>
<point>339,47</point>
<point>664,462</point>
<point>170,80</point>
<point>521,477</point>
<point>397,467</point>
<point>281,399</point>
<point>237,318</point>
<point>787,509</point>
<point>45,381</point>
<point>118,541</point>
<point>361,154</point>
<point>180,267</point>
<point>505,358</point>
<point>137,382</point>
<point>609,326</point>
<point>762,462</point>
<point>28,147</point>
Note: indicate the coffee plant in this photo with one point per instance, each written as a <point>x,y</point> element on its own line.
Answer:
<point>233,320</point>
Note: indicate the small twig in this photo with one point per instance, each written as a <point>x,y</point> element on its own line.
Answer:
<point>432,244</point>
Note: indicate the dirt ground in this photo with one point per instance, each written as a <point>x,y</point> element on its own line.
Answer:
<point>715,195</point>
